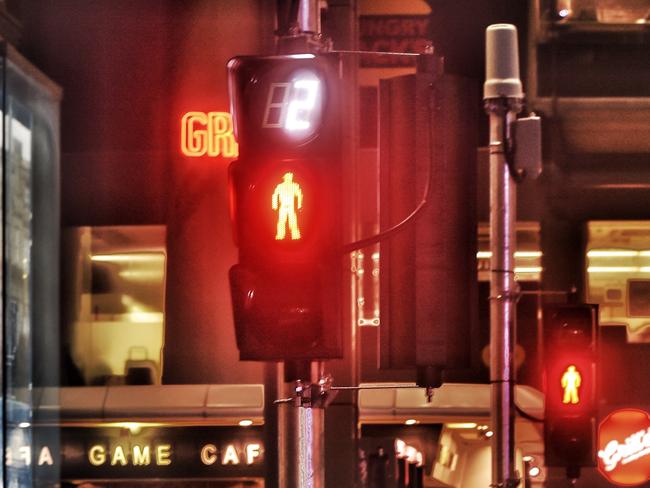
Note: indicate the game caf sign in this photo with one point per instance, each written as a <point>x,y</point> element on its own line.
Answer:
<point>624,447</point>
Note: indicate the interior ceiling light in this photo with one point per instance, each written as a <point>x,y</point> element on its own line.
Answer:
<point>461,425</point>
<point>534,471</point>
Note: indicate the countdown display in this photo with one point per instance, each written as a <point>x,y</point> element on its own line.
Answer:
<point>283,103</point>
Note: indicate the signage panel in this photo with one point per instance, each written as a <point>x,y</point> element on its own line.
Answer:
<point>624,447</point>
<point>139,452</point>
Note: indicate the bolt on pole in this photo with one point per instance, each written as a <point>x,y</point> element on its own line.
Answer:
<point>503,96</point>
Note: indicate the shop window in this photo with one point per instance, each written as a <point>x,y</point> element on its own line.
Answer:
<point>528,256</point>
<point>618,274</point>
<point>116,290</point>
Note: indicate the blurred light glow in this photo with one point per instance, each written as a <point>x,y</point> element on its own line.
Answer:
<point>534,471</point>
<point>518,254</point>
<point>142,274</point>
<point>400,447</point>
<point>614,269</point>
<point>411,421</point>
<point>564,12</point>
<point>489,434</point>
<point>245,423</point>
<point>528,458</point>
<point>612,253</point>
<point>461,425</point>
<point>24,425</point>
<point>528,269</point>
<point>411,454</point>
<point>133,427</point>
<point>419,458</point>
<point>128,257</point>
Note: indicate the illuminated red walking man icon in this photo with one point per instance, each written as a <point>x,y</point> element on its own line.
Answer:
<point>571,381</point>
<point>286,197</point>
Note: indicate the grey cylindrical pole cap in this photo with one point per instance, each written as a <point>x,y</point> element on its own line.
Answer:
<point>502,62</point>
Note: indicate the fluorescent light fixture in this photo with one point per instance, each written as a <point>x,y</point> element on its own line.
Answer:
<point>613,269</point>
<point>518,254</point>
<point>528,269</point>
<point>461,425</point>
<point>128,257</point>
<point>612,253</point>
<point>528,254</point>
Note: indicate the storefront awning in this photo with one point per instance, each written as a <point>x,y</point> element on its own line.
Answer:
<point>215,404</point>
<point>452,401</point>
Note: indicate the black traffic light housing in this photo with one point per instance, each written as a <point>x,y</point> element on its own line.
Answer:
<point>570,342</point>
<point>286,210</point>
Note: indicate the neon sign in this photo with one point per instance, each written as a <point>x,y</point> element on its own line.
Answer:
<point>286,197</point>
<point>624,447</point>
<point>571,381</point>
<point>208,134</point>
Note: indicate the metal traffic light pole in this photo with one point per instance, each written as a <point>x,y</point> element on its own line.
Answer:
<point>503,100</point>
<point>302,424</point>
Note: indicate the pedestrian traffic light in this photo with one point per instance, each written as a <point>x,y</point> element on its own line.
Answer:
<point>286,205</point>
<point>570,333</point>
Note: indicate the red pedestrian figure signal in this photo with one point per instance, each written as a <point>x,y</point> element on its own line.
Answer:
<point>571,381</point>
<point>287,198</point>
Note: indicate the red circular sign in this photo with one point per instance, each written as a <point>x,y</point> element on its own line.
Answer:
<point>624,447</point>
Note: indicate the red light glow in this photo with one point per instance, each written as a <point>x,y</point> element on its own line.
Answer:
<point>571,381</point>
<point>286,200</point>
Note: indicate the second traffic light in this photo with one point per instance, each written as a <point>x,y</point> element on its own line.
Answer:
<point>570,333</point>
<point>286,205</point>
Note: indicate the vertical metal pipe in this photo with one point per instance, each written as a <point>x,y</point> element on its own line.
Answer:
<point>304,432</point>
<point>503,204</point>
<point>503,93</point>
<point>311,423</point>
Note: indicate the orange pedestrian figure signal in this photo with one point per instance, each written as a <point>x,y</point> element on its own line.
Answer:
<point>571,381</point>
<point>287,198</point>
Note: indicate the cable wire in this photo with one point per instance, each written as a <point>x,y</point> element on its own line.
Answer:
<point>361,243</point>
<point>528,416</point>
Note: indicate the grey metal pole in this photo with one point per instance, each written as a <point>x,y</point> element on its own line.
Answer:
<point>503,95</point>
<point>302,463</point>
<point>311,460</point>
